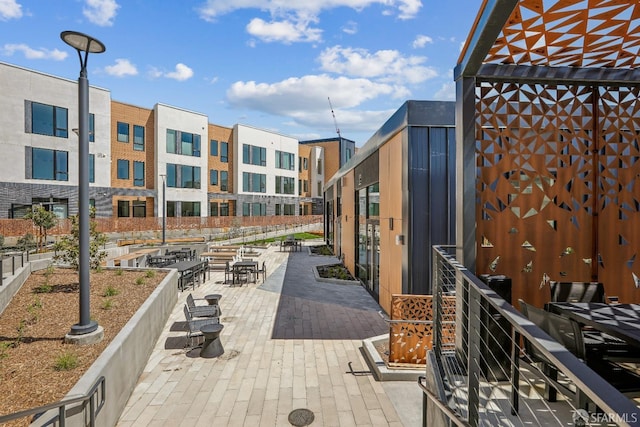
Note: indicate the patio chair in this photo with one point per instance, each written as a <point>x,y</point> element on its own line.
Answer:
<point>263,271</point>
<point>194,325</point>
<point>186,279</point>
<point>577,292</point>
<point>201,310</point>
<point>228,273</point>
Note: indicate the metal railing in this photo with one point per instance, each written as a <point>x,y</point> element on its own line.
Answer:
<point>12,262</point>
<point>480,379</point>
<point>94,398</point>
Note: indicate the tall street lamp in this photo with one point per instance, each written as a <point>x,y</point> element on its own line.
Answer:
<point>83,43</point>
<point>164,209</point>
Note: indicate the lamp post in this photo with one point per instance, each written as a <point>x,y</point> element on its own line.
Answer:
<point>83,44</point>
<point>164,209</point>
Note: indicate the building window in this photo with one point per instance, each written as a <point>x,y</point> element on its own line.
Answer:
<point>319,188</point>
<point>92,128</point>
<point>289,209</point>
<point>213,147</point>
<point>138,138</point>
<point>224,181</point>
<point>319,167</point>
<point>254,155</point>
<point>213,177</point>
<point>305,186</point>
<point>49,164</point>
<point>299,164</point>
<point>123,132</point>
<point>189,143</point>
<point>49,120</point>
<point>285,185</point>
<point>254,209</point>
<point>246,209</point>
<point>171,209</point>
<point>285,160</point>
<point>254,182</point>
<point>138,174</point>
<point>123,209</point>
<point>305,163</point>
<point>224,209</point>
<point>92,168</point>
<point>190,208</point>
<point>183,176</point>
<point>171,141</point>
<point>224,152</point>
<point>139,209</point>
<point>123,169</point>
<point>213,209</point>
<point>348,154</point>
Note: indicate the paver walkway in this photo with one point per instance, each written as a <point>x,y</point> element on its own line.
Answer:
<point>288,343</point>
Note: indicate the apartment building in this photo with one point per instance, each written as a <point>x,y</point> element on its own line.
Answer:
<point>146,162</point>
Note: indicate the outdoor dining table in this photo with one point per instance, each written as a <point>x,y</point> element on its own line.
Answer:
<point>241,268</point>
<point>619,320</point>
<point>187,267</point>
<point>161,260</point>
<point>181,254</point>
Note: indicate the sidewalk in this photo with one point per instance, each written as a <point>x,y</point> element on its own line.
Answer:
<point>288,343</point>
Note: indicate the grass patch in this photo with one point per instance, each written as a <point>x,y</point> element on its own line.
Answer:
<point>300,236</point>
<point>110,291</point>
<point>66,362</point>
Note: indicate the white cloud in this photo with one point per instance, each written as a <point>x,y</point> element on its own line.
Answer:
<point>181,73</point>
<point>30,53</point>
<point>421,41</point>
<point>291,19</point>
<point>10,9</point>
<point>101,12</point>
<point>122,68</point>
<point>385,65</point>
<point>304,100</point>
<point>447,92</point>
<point>283,31</point>
<point>350,27</point>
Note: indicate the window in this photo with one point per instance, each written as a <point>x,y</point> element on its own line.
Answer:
<point>213,209</point>
<point>289,209</point>
<point>183,176</point>
<point>123,169</point>
<point>259,209</point>
<point>254,155</point>
<point>138,175</point>
<point>171,141</point>
<point>224,181</point>
<point>254,182</point>
<point>319,188</point>
<point>299,187</point>
<point>189,143</point>
<point>285,160</point>
<point>171,209</point>
<point>123,208</point>
<point>299,164</point>
<point>92,168</point>
<point>285,185</point>
<point>305,185</point>
<point>49,164</point>
<point>190,208</point>
<point>319,167</point>
<point>213,147</point>
<point>123,132</point>
<point>138,139</point>
<point>224,152</point>
<point>49,120</point>
<point>213,177</point>
<point>139,209</point>
<point>224,209</point>
<point>92,128</point>
<point>305,163</point>
<point>246,209</point>
<point>348,154</point>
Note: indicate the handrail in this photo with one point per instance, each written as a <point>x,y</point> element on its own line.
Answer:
<point>415,322</point>
<point>61,406</point>
<point>428,394</point>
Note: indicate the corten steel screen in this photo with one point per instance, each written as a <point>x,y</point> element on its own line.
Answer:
<point>557,185</point>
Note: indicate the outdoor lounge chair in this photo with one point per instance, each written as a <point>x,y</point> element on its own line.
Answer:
<point>194,325</point>
<point>201,310</point>
<point>262,271</point>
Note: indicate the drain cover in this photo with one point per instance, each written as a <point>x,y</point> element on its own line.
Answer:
<point>301,417</point>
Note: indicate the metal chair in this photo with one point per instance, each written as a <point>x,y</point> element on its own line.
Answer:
<point>577,292</point>
<point>201,310</point>
<point>263,271</point>
<point>194,325</point>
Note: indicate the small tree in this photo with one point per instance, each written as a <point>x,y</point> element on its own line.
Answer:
<point>26,242</point>
<point>68,247</point>
<point>44,220</point>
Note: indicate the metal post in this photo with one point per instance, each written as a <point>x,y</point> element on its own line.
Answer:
<point>83,43</point>
<point>164,210</point>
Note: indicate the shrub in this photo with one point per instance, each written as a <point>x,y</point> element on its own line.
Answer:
<point>140,281</point>
<point>110,291</point>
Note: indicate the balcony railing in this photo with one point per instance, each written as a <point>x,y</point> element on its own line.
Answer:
<point>480,379</point>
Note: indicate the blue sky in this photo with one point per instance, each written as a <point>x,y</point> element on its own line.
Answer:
<point>272,64</point>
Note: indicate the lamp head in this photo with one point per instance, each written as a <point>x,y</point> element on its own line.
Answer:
<point>82,42</point>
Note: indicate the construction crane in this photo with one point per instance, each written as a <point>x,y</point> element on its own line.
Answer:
<point>334,118</point>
